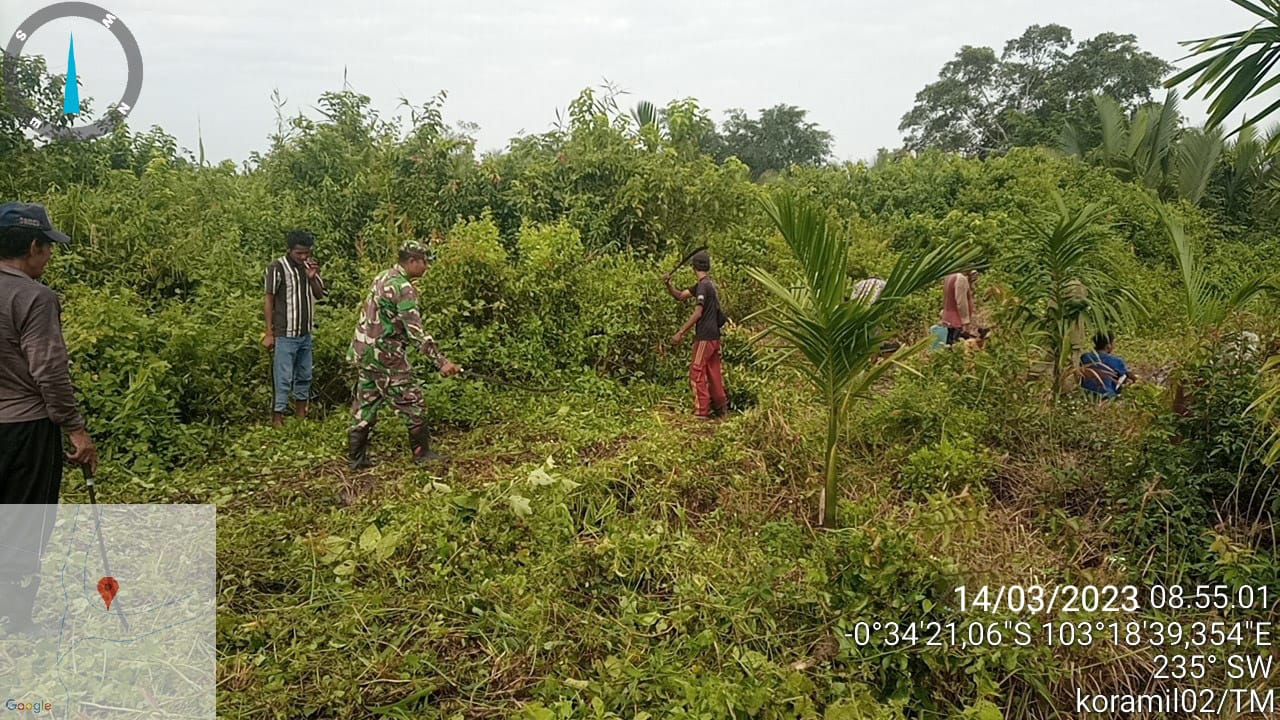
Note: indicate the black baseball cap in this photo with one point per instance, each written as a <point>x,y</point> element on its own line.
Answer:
<point>701,260</point>
<point>32,217</point>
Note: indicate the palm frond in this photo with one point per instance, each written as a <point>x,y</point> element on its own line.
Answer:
<point>1062,282</point>
<point>1265,282</point>
<point>1198,156</point>
<point>1162,142</point>
<point>860,386</point>
<point>1246,154</point>
<point>1071,142</point>
<point>1197,302</point>
<point>838,338</point>
<point>833,341</point>
<point>914,273</point>
<point>1139,130</point>
<point>1114,128</point>
<point>1233,66</point>
<point>645,114</point>
<point>812,241</point>
<point>1271,143</point>
<point>1204,305</point>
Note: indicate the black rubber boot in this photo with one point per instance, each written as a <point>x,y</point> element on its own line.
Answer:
<point>358,447</point>
<point>420,442</point>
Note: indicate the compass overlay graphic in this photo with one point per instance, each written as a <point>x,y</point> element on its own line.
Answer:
<point>116,112</point>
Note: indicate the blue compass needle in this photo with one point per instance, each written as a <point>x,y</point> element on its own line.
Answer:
<point>71,90</point>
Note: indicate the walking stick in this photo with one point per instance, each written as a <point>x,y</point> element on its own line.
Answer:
<point>102,545</point>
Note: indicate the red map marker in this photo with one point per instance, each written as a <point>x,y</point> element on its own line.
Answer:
<point>107,588</point>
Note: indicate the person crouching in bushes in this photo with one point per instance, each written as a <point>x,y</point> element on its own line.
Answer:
<point>704,371</point>
<point>1102,373</point>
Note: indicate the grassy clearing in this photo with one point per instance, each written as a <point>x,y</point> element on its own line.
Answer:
<point>607,555</point>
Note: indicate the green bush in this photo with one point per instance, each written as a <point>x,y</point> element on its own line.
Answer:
<point>1226,437</point>
<point>951,465</point>
<point>1191,470</point>
<point>136,396</point>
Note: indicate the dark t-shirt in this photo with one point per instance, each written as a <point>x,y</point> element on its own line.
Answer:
<point>708,327</point>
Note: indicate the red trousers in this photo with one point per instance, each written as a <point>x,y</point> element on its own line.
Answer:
<point>705,377</point>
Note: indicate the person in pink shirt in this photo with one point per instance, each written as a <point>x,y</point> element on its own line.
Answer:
<point>958,306</point>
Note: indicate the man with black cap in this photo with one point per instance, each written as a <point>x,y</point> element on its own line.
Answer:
<point>37,403</point>
<point>704,371</point>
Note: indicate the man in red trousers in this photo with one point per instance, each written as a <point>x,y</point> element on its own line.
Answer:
<point>707,318</point>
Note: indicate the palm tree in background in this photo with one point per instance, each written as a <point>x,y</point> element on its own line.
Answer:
<point>645,114</point>
<point>1234,68</point>
<point>1151,147</point>
<point>1206,306</point>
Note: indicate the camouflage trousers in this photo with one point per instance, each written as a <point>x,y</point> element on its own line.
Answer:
<point>399,388</point>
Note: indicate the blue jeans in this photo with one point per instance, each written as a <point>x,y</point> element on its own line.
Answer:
<point>292,370</point>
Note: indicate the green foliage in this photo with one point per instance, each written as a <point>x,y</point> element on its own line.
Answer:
<point>551,309</point>
<point>836,337</point>
<point>1228,437</point>
<point>1244,181</point>
<point>950,466</point>
<point>592,552</point>
<point>620,191</point>
<point>1199,153</point>
<point>925,409</point>
<point>1231,68</point>
<point>1195,164</point>
<point>138,399</point>
<point>1205,463</point>
<point>1206,307</point>
<point>771,144</point>
<point>984,105</point>
<point>1064,287</point>
<point>1146,149</point>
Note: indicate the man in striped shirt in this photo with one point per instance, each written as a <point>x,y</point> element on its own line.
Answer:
<point>293,285</point>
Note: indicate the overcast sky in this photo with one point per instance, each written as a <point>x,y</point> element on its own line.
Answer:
<point>507,65</point>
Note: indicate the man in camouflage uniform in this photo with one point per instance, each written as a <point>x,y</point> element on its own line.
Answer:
<point>389,323</point>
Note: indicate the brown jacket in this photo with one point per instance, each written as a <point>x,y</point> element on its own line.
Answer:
<point>35,380</point>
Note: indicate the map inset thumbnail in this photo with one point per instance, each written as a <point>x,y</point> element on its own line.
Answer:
<point>152,653</point>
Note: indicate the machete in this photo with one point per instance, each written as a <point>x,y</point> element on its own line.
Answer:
<point>102,546</point>
<point>687,258</point>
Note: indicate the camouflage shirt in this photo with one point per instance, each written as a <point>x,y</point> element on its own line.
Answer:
<point>389,323</point>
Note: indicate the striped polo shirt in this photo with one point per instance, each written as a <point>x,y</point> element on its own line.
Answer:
<point>295,305</point>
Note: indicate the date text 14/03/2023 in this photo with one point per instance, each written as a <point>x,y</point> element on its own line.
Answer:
<point>1037,599</point>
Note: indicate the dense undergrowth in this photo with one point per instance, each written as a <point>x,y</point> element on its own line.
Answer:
<point>595,553</point>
